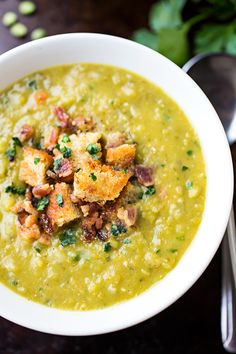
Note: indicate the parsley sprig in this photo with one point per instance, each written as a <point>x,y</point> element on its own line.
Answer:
<point>211,28</point>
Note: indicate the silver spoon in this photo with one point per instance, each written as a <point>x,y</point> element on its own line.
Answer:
<point>216,75</point>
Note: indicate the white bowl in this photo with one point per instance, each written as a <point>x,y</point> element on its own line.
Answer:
<point>98,48</point>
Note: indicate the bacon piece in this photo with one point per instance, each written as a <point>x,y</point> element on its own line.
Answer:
<point>83,123</point>
<point>26,132</point>
<point>52,138</point>
<point>128,215</point>
<point>102,235</point>
<point>145,175</point>
<point>65,168</point>
<point>88,233</point>
<point>22,215</point>
<point>63,118</point>
<point>42,190</point>
<point>45,224</point>
<point>115,139</point>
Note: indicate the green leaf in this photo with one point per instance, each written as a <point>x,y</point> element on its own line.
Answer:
<point>213,38</point>
<point>36,160</point>
<point>66,151</point>
<point>166,14</point>
<point>230,47</point>
<point>68,237</point>
<point>146,37</point>
<point>117,229</point>
<point>173,43</point>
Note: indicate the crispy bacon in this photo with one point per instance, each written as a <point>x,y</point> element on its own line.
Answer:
<point>22,215</point>
<point>115,139</point>
<point>83,123</point>
<point>51,140</point>
<point>128,215</point>
<point>144,175</point>
<point>26,132</point>
<point>45,224</point>
<point>63,118</point>
<point>65,168</point>
<point>102,235</point>
<point>42,190</point>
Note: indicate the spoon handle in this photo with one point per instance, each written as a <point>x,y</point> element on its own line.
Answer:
<point>228,300</point>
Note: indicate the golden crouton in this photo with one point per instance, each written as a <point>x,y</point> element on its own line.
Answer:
<point>61,210</point>
<point>122,155</point>
<point>34,166</point>
<point>99,183</point>
<point>78,145</point>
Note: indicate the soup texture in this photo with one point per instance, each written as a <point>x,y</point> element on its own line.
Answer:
<point>102,186</point>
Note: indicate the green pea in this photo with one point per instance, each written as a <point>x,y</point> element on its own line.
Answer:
<point>9,18</point>
<point>19,30</point>
<point>27,8</point>
<point>38,33</point>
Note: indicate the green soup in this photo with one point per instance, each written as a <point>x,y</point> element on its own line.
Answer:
<point>82,275</point>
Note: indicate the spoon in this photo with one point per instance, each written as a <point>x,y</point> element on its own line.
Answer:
<point>216,75</point>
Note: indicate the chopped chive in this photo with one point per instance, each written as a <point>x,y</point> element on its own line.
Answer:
<point>9,18</point>
<point>189,152</point>
<point>180,238</point>
<point>33,85</point>
<point>184,168</point>
<point>36,160</point>
<point>150,190</point>
<point>189,184</point>
<point>60,200</point>
<point>66,139</point>
<point>16,141</point>
<point>40,204</point>
<point>92,175</point>
<point>76,258</point>
<point>118,229</point>
<point>158,250</point>
<point>37,249</point>
<point>173,250</point>
<point>66,151</point>
<point>19,30</point>
<point>93,149</point>
<point>27,8</point>
<point>15,190</point>
<point>57,164</point>
<point>107,247</point>
<point>126,241</point>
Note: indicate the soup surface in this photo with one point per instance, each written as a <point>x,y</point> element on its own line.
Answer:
<point>86,227</point>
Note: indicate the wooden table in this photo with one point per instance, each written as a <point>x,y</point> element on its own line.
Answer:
<point>192,324</point>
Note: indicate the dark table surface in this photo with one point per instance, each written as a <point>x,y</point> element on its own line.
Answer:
<point>192,324</point>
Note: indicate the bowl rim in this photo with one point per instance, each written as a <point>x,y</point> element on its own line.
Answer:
<point>125,314</point>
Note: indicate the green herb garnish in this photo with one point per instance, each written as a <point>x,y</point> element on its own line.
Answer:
<point>127,241</point>
<point>107,247</point>
<point>189,184</point>
<point>68,237</point>
<point>66,151</point>
<point>15,190</point>
<point>66,139</point>
<point>184,168</point>
<point>158,250</point>
<point>173,250</point>
<point>93,149</point>
<point>76,258</point>
<point>150,190</point>
<point>11,154</point>
<point>92,175</point>
<point>36,160</point>
<point>60,200</point>
<point>180,238</point>
<point>40,204</point>
<point>38,249</point>
<point>57,164</point>
<point>189,152</point>
<point>117,229</point>
<point>33,85</point>
<point>16,141</point>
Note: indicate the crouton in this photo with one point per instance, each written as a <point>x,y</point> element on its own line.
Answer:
<point>78,145</point>
<point>34,166</point>
<point>99,183</point>
<point>122,155</point>
<point>29,233</point>
<point>61,210</point>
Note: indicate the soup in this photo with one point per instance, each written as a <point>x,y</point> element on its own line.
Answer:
<point>102,186</point>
